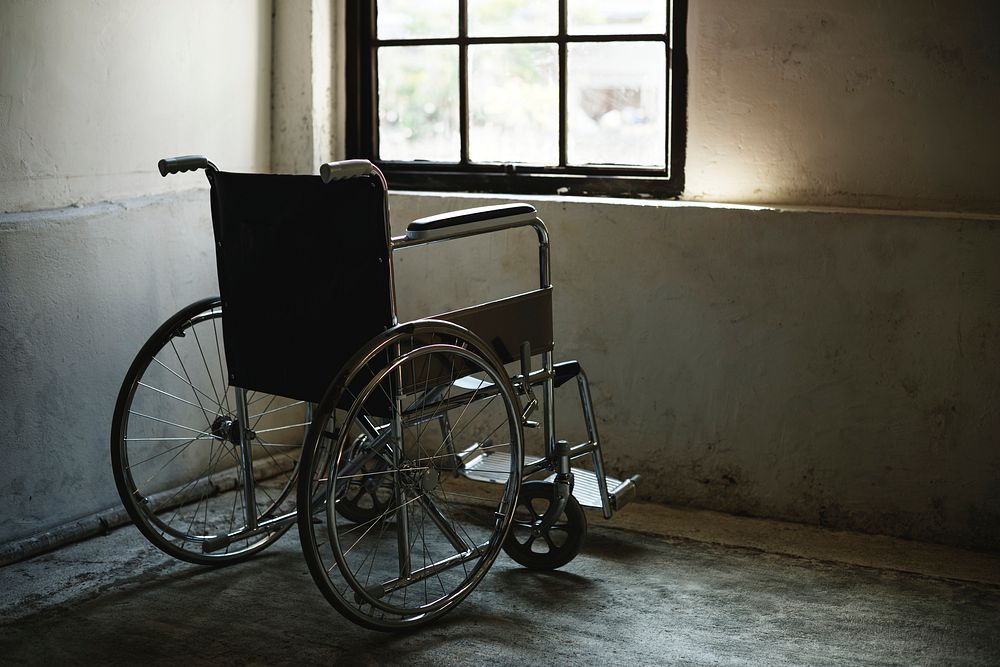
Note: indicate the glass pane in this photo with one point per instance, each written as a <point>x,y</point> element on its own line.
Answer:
<point>514,103</point>
<point>503,18</point>
<point>597,17</point>
<point>406,19</point>
<point>418,103</point>
<point>617,103</point>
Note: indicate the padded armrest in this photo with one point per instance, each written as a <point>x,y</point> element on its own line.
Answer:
<point>470,221</point>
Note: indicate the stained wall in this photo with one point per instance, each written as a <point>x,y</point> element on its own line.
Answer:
<point>95,247</point>
<point>827,354</point>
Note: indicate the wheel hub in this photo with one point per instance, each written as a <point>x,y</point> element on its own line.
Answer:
<point>430,480</point>
<point>223,428</point>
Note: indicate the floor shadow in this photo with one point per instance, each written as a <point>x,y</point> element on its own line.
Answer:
<point>614,545</point>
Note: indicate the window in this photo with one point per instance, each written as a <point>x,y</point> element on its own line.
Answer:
<point>520,96</point>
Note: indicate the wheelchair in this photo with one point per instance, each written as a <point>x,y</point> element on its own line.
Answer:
<point>296,397</point>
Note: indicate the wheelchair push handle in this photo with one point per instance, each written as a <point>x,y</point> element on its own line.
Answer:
<point>337,171</point>
<point>174,165</point>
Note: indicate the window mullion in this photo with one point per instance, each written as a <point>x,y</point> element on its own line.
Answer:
<point>563,47</point>
<point>669,111</point>
<point>463,79</point>
<point>363,124</point>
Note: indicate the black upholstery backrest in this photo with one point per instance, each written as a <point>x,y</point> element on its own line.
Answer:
<point>304,274</point>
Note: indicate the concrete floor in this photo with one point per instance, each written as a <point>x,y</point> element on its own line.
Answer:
<point>674,587</point>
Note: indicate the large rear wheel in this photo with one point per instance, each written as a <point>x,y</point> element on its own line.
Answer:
<point>176,451</point>
<point>396,422</point>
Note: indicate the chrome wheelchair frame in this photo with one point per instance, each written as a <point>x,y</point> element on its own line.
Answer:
<point>215,456</point>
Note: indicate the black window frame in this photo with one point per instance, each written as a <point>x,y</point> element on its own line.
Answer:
<point>361,139</point>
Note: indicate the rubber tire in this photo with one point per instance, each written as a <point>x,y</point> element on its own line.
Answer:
<point>573,522</point>
<point>327,571</point>
<point>160,338</point>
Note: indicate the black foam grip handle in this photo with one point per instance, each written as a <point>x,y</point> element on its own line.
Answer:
<point>173,165</point>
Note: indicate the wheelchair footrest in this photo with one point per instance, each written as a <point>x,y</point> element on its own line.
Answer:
<point>587,491</point>
<point>490,467</point>
<point>486,467</point>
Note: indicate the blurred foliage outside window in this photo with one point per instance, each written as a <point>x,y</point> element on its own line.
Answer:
<point>616,105</point>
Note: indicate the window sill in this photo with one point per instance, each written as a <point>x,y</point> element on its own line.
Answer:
<point>642,203</point>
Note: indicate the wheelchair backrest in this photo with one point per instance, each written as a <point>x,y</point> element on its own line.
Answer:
<point>304,276</point>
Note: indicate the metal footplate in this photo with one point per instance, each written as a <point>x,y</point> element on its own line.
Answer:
<point>588,493</point>
<point>486,468</point>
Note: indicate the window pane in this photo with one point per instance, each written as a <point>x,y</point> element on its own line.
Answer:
<point>503,18</point>
<point>418,103</point>
<point>406,19</point>
<point>617,103</point>
<point>514,103</point>
<point>596,17</point>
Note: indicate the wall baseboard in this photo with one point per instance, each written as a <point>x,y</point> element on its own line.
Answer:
<point>96,524</point>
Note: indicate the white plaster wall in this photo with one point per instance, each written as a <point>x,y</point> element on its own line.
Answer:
<point>93,93</point>
<point>845,103</point>
<point>96,249</point>
<point>302,112</point>
<point>832,367</point>
<point>82,289</point>
<point>840,368</point>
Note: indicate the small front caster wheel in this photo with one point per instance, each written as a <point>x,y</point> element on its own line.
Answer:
<point>544,549</point>
<point>366,496</point>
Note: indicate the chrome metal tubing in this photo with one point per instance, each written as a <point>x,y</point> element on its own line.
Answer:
<point>582,449</point>
<point>432,395</point>
<point>402,241</point>
<point>246,459</point>
<point>388,234</point>
<point>598,459</point>
<point>358,462</point>
<point>540,376</point>
<point>548,386</point>
<point>444,423</point>
<point>266,526</point>
<point>434,410</point>
<point>420,411</point>
<point>441,522</point>
<point>549,417</point>
<point>396,445</point>
<point>544,280</point>
<point>380,182</point>
<point>538,466</point>
<point>544,269</point>
<point>430,570</point>
<point>577,451</point>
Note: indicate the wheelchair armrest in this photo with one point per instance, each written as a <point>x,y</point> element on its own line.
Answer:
<point>470,221</point>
